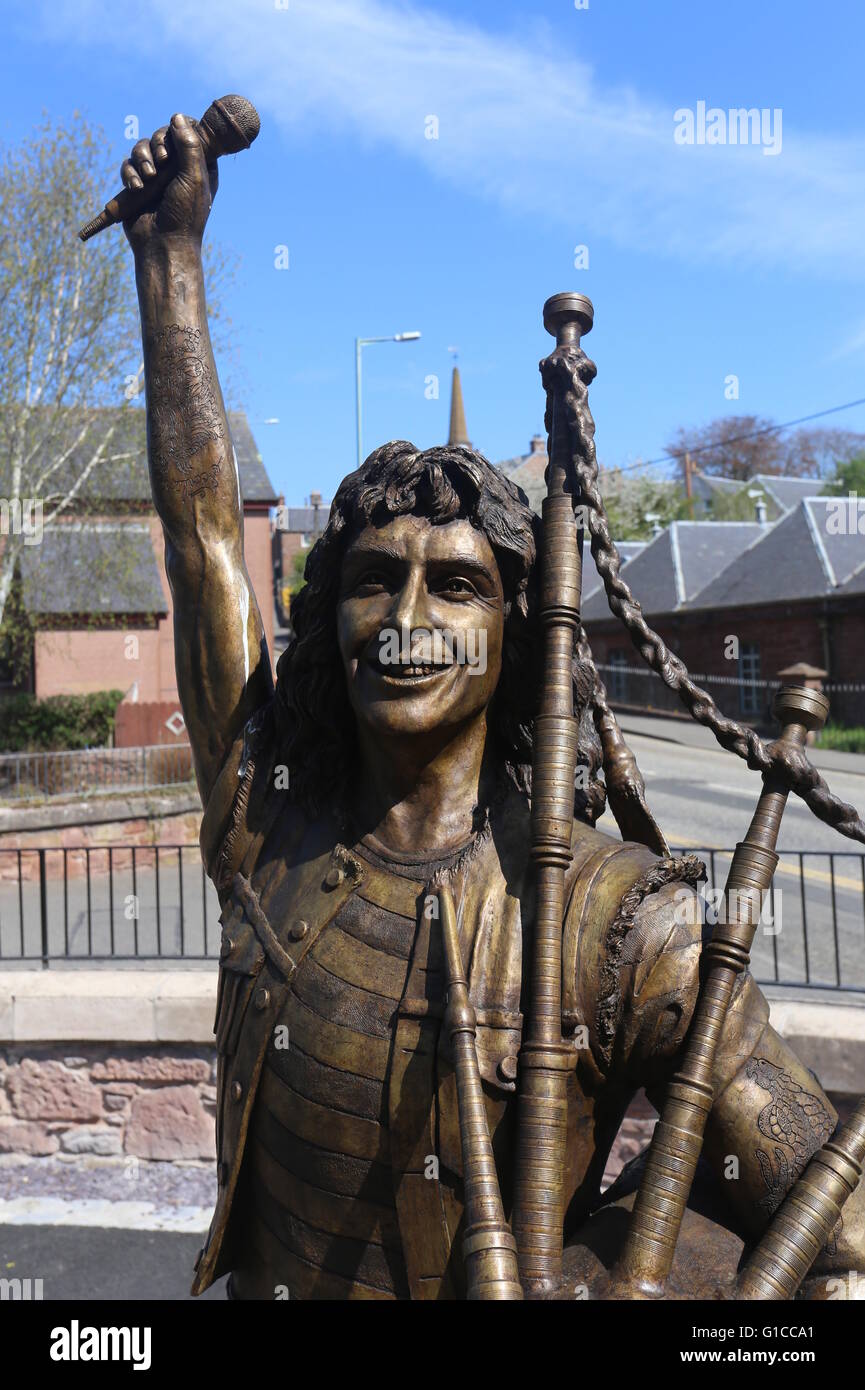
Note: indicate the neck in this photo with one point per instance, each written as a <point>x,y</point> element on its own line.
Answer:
<point>414,797</point>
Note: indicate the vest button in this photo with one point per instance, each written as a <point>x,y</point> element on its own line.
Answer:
<point>298,930</point>
<point>262,997</point>
<point>508,1068</point>
<point>236,1090</point>
<point>335,876</point>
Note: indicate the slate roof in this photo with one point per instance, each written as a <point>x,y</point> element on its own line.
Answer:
<point>788,492</point>
<point>710,482</point>
<point>672,569</point>
<point>92,568</point>
<point>856,583</point>
<point>781,494</point>
<point>799,557</point>
<point>124,478</point>
<point>592,582</point>
<point>303,519</point>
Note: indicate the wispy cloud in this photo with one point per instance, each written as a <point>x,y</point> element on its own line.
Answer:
<point>520,124</point>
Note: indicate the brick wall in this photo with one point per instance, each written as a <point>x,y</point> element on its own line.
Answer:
<point>140,724</point>
<point>180,828</point>
<point>74,662</point>
<point>783,633</point>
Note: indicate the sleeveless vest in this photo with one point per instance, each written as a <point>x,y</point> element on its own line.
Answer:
<point>284,880</point>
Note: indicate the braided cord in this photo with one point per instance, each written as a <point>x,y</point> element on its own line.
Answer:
<point>569,371</point>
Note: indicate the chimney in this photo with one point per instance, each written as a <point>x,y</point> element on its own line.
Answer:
<point>457,434</point>
<point>538,444</point>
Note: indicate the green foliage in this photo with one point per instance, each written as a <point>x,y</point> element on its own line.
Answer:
<point>630,500</point>
<point>848,477</point>
<point>16,638</point>
<point>738,506</point>
<point>296,580</point>
<point>843,740</point>
<point>61,721</point>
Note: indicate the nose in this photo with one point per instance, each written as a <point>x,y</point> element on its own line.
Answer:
<point>410,603</point>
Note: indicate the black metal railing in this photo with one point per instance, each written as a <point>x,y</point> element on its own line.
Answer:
<point>93,771</point>
<point>638,689</point>
<point>812,929</point>
<point>128,903</point>
<point>117,903</point>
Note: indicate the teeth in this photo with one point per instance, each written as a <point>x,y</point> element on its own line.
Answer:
<point>408,672</point>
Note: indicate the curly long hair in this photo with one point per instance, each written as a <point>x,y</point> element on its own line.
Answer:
<point>315,720</point>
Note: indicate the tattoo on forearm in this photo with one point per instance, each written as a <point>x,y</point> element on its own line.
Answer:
<point>185,414</point>
<point>795,1122</point>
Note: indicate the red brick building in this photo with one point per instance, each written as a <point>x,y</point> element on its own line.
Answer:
<point>96,587</point>
<point>739,602</point>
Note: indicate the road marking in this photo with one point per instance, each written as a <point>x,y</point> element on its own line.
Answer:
<point>747,794</point>
<point>818,875</point>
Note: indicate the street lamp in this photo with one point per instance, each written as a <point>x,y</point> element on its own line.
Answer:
<point>359,345</point>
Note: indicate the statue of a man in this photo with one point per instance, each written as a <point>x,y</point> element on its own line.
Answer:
<point>330,804</point>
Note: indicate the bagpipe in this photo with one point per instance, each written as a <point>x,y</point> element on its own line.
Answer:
<point>524,1258</point>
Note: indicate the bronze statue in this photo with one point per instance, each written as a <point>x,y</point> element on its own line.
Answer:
<point>439,985</point>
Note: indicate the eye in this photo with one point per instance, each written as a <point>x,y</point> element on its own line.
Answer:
<point>454,586</point>
<point>371,581</point>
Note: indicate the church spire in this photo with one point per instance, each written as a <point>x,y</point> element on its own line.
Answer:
<point>458,434</point>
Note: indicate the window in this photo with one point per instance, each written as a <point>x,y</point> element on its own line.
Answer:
<point>750,696</point>
<point>618,675</point>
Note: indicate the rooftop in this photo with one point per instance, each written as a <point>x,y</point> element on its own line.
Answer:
<point>670,571</point>
<point>123,477</point>
<point>92,568</point>
<point>811,552</point>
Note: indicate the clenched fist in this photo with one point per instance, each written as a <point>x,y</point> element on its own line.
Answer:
<point>183,206</point>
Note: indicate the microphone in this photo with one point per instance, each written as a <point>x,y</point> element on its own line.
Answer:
<point>229,124</point>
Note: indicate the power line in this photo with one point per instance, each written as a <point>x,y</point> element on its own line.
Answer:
<point>737,439</point>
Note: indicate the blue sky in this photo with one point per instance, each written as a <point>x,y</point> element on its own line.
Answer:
<point>555,129</point>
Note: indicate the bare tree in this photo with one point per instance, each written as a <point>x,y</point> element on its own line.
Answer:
<point>70,368</point>
<point>735,446</point>
<point>741,446</point>
<point>67,331</point>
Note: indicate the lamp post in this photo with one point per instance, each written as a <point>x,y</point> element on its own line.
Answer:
<point>359,345</point>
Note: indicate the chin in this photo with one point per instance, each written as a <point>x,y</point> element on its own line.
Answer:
<point>409,717</point>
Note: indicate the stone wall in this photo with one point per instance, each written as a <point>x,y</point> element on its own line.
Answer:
<point>99,823</point>
<point>145,1102</point>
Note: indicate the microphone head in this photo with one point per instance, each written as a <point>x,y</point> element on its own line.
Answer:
<point>232,124</point>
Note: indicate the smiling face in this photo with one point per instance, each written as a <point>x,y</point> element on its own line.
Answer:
<point>401,585</point>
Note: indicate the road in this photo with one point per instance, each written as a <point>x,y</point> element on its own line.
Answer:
<point>703,799</point>
<point>83,1262</point>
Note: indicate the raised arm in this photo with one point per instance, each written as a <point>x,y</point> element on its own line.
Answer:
<point>223,670</point>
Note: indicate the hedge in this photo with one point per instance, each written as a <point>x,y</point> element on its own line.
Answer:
<point>842,740</point>
<point>61,721</point>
